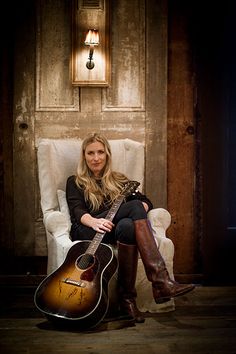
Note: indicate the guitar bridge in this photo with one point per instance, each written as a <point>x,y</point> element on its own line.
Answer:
<point>79,283</point>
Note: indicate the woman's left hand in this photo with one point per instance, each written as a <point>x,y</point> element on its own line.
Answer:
<point>145,206</point>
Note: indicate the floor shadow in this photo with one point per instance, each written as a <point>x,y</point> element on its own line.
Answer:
<point>111,325</point>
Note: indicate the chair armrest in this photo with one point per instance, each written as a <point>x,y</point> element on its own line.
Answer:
<point>57,249</point>
<point>64,241</point>
<point>160,220</point>
<point>56,223</point>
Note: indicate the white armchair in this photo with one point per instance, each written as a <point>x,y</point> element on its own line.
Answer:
<point>58,159</point>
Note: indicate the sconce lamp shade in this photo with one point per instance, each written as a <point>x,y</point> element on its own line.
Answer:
<point>92,37</point>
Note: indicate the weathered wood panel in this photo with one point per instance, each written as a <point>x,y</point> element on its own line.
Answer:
<point>24,171</point>
<point>54,90</point>
<point>127,91</point>
<point>156,102</point>
<point>181,145</point>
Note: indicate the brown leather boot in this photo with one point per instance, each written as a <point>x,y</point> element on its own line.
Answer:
<point>163,286</point>
<point>127,270</point>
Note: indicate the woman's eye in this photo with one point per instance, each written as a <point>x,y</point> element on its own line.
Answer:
<point>100,152</point>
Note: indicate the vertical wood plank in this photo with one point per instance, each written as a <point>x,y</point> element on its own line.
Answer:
<point>181,142</point>
<point>156,102</point>
<point>24,154</point>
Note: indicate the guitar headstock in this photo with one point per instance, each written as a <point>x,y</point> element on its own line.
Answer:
<point>130,187</point>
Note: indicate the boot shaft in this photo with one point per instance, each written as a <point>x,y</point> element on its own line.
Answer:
<point>163,286</point>
<point>127,269</point>
<point>152,259</point>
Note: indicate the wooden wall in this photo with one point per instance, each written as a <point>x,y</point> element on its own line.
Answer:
<point>151,61</point>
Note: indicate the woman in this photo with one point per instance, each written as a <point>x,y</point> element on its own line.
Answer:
<point>90,195</point>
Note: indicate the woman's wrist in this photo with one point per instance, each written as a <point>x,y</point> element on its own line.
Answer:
<point>87,220</point>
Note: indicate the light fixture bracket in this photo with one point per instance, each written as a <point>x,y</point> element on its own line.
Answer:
<point>91,40</point>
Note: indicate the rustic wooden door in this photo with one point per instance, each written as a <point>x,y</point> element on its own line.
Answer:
<point>47,105</point>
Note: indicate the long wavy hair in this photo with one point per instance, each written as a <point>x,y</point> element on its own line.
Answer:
<point>109,185</point>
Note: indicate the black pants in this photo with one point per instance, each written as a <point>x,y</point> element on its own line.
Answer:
<point>124,226</point>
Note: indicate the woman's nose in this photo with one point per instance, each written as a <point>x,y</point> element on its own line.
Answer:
<point>96,156</point>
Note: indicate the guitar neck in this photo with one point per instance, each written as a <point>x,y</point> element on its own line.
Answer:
<point>110,216</point>
<point>115,206</point>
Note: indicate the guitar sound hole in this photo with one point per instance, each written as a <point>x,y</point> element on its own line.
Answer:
<point>85,261</point>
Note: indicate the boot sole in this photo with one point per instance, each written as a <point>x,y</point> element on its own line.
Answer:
<point>161,300</point>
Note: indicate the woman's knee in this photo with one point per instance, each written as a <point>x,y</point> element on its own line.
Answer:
<point>137,209</point>
<point>125,231</point>
<point>132,209</point>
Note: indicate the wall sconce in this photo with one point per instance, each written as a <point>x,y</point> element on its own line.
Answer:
<point>91,24</point>
<point>92,39</point>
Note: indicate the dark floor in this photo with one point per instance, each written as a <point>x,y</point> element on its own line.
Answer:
<point>204,322</point>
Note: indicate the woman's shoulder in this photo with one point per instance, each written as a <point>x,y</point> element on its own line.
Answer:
<point>71,179</point>
<point>72,184</point>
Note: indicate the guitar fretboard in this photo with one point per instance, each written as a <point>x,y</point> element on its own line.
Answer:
<point>99,235</point>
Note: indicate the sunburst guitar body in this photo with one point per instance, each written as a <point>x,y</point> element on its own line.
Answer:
<point>77,292</point>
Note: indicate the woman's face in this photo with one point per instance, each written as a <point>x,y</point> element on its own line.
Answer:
<point>95,157</point>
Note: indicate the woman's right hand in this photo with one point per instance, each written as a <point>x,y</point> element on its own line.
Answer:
<point>98,225</point>
<point>102,225</point>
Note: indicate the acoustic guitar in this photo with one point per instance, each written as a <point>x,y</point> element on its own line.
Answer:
<point>77,292</point>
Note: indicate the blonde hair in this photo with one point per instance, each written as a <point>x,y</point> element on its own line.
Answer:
<point>111,183</point>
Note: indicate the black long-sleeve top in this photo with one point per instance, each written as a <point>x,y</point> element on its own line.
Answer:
<point>78,206</point>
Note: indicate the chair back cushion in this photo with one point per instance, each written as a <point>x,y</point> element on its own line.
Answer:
<point>59,158</point>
